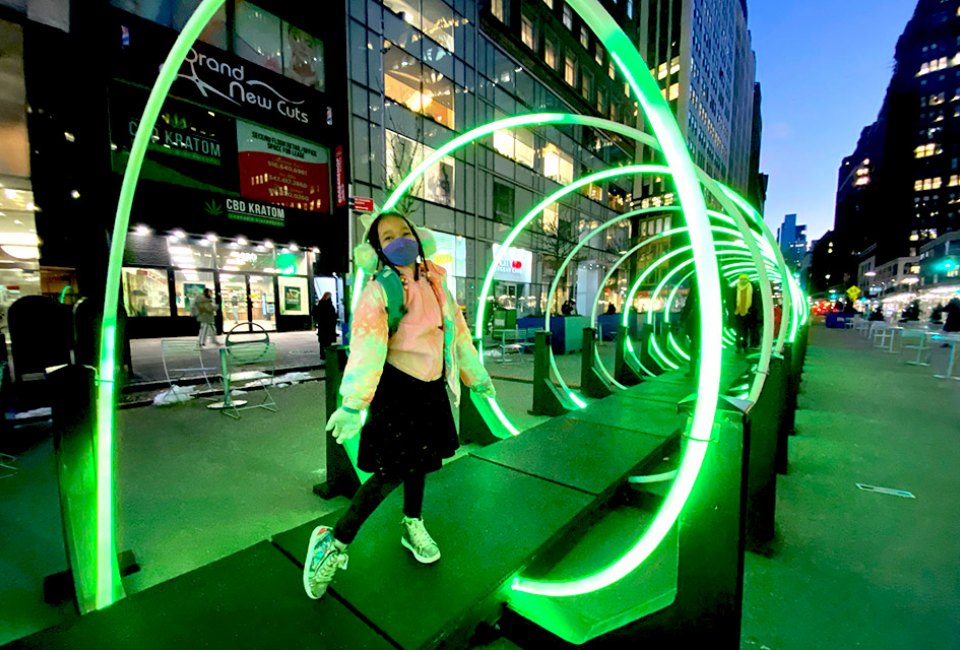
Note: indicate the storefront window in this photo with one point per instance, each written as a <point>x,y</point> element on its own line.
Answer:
<point>516,145</point>
<point>189,284</point>
<point>236,258</point>
<point>294,297</point>
<point>403,154</point>
<point>258,37</point>
<point>192,254</point>
<point>277,45</point>
<point>175,14</point>
<point>291,262</point>
<point>146,292</point>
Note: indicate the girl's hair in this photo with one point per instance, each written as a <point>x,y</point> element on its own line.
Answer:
<point>373,238</point>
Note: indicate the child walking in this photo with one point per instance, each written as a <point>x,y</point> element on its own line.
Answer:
<point>402,381</point>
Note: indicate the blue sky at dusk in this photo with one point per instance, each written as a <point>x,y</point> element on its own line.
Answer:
<point>824,66</point>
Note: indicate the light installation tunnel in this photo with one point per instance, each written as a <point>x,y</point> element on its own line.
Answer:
<point>101,569</point>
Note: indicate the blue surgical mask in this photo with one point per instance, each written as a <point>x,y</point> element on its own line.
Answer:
<point>402,251</point>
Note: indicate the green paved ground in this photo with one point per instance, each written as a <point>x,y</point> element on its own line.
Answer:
<point>858,569</point>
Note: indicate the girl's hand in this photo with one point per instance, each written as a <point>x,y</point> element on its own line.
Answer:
<point>485,389</point>
<point>344,423</point>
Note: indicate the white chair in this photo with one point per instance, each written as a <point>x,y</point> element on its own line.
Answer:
<point>919,340</point>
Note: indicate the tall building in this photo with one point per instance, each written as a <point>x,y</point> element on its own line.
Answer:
<point>792,238</point>
<point>700,52</point>
<point>900,189</point>
<point>757,183</point>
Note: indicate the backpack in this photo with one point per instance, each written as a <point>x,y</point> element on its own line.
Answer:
<point>393,287</point>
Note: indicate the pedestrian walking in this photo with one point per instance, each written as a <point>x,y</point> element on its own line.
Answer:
<point>325,319</point>
<point>401,379</point>
<point>741,313</point>
<point>205,311</point>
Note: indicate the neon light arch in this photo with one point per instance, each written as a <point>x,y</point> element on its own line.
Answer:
<point>658,114</point>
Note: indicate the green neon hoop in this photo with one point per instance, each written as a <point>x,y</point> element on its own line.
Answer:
<point>108,584</point>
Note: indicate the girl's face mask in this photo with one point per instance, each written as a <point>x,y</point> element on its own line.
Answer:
<point>402,251</point>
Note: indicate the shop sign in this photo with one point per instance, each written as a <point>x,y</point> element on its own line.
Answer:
<point>246,210</point>
<point>516,265</point>
<point>341,176</point>
<point>277,168</point>
<point>361,204</point>
<point>218,79</point>
<point>189,146</point>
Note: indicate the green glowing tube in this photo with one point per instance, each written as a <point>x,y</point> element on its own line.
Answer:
<point>658,114</point>
<point>109,588</point>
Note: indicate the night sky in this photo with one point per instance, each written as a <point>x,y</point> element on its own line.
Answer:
<point>824,66</point>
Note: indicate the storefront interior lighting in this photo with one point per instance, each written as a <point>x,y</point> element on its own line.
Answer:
<point>178,234</point>
<point>143,230</point>
<point>242,241</point>
<point>211,237</point>
<point>267,243</point>
<point>294,248</point>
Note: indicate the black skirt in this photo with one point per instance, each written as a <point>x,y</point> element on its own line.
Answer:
<point>409,428</point>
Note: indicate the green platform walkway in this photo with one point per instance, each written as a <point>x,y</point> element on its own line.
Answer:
<point>494,512</point>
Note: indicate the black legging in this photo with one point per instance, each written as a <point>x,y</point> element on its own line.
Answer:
<point>371,494</point>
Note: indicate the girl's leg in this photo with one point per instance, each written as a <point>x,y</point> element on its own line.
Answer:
<point>370,495</point>
<point>413,488</point>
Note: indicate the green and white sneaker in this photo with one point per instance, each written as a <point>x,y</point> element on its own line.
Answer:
<point>418,541</point>
<point>324,557</point>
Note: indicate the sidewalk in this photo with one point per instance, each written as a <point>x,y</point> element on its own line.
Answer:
<point>294,350</point>
<point>858,569</point>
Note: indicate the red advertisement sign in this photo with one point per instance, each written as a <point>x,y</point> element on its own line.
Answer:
<point>283,170</point>
<point>340,176</point>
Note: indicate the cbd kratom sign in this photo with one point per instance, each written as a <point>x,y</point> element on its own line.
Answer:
<point>174,135</point>
<point>246,210</point>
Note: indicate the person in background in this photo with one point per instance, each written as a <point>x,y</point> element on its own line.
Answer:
<point>611,309</point>
<point>566,309</point>
<point>325,320</point>
<point>741,313</point>
<point>952,313</point>
<point>876,315</point>
<point>690,320</point>
<point>205,311</point>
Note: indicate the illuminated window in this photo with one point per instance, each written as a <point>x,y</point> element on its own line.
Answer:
<point>674,92</point>
<point>626,89</point>
<point>550,53</point>
<point>598,57</point>
<point>527,34</point>
<point>611,72</point>
<point>433,17</point>
<point>551,219</point>
<point>403,154</point>
<point>146,292</point>
<point>516,145</point>
<point>954,180</point>
<point>549,3</point>
<point>586,86</point>
<point>601,102</point>
<point>496,8</point>
<point>569,69</point>
<point>567,17</point>
<point>917,185</point>
<point>418,87</point>
<point>557,165</point>
<point>584,37</point>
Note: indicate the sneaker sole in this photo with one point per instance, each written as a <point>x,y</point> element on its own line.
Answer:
<point>421,559</point>
<point>311,547</point>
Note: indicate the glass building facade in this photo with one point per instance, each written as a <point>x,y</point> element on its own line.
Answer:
<point>423,71</point>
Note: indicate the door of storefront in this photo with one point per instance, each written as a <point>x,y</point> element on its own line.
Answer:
<point>248,298</point>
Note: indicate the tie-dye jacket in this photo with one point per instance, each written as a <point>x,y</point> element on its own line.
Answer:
<point>370,344</point>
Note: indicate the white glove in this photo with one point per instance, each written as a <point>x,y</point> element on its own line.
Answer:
<point>344,425</point>
<point>485,389</point>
